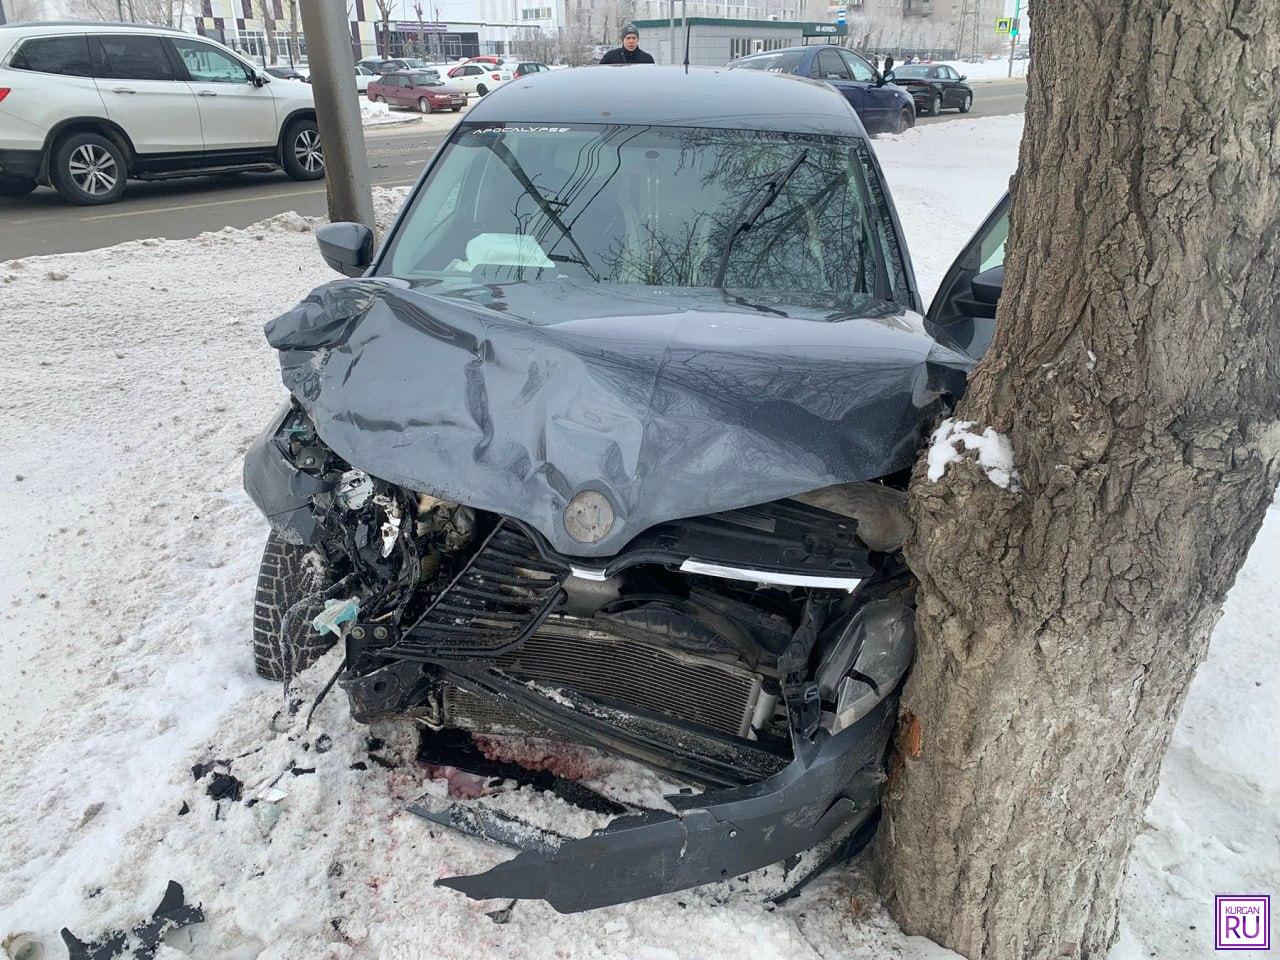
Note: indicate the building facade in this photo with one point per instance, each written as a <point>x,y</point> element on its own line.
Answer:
<point>714,41</point>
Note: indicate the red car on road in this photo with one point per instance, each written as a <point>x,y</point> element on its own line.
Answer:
<point>422,89</point>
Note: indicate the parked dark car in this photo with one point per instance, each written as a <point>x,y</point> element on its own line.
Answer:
<point>285,72</point>
<point>608,443</point>
<point>421,89</point>
<point>934,87</point>
<point>880,105</point>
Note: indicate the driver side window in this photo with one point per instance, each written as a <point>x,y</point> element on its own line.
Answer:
<point>208,64</point>
<point>858,67</point>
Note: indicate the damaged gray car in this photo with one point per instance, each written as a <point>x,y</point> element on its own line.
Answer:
<point>607,443</point>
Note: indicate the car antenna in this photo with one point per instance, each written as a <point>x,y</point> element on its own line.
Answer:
<point>687,28</point>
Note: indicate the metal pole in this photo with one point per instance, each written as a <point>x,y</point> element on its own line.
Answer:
<point>1013,36</point>
<point>346,183</point>
<point>3,19</point>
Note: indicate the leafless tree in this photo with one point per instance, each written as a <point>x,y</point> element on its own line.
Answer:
<point>384,37</point>
<point>1134,371</point>
<point>267,14</point>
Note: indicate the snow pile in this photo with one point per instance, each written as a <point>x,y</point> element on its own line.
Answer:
<point>134,383</point>
<point>994,69</point>
<point>954,438</point>
<point>945,178</point>
<point>379,114</point>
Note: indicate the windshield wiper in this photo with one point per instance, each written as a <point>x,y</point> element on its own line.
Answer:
<point>777,180</point>
<point>512,164</point>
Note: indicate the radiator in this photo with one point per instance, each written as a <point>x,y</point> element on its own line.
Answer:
<point>628,673</point>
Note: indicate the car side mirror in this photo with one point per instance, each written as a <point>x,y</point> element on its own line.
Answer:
<point>885,78</point>
<point>260,79</point>
<point>347,247</point>
<point>963,77</point>
<point>988,285</point>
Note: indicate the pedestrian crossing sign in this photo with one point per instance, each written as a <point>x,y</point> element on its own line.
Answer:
<point>1004,25</point>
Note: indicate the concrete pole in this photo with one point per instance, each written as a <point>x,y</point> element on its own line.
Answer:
<point>333,83</point>
<point>672,10</point>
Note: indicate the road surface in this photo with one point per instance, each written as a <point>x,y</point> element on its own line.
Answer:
<point>43,223</point>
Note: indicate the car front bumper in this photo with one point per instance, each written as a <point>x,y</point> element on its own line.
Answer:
<point>825,800</point>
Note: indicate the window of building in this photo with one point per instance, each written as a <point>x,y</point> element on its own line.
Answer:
<point>535,13</point>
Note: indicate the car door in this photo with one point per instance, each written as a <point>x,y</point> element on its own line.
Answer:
<point>960,90</point>
<point>237,111</point>
<point>963,313</point>
<point>144,94</point>
<point>883,104</point>
<point>406,96</point>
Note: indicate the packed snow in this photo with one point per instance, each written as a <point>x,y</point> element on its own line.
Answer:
<point>993,69</point>
<point>992,450</point>
<point>380,115</point>
<point>135,378</point>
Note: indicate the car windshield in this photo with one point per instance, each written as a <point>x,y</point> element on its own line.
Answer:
<point>785,61</point>
<point>911,71</point>
<point>648,205</point>
<point>413,63</point>
<point>427,80</point>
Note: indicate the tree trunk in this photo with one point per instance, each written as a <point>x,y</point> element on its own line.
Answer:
<point>1135,371</point>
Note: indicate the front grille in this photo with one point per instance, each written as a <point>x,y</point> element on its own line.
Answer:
<point>499,597</point>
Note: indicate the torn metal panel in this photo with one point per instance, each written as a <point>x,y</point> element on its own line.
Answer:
<point>593,412</point>
<point>710,837</point>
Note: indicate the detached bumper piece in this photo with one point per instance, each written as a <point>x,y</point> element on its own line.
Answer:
<point>826,798</point>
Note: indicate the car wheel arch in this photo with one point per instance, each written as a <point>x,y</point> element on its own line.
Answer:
<point>99,125</point>
<point>302,113</point>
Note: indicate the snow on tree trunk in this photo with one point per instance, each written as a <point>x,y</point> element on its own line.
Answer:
<point>1136,373</point>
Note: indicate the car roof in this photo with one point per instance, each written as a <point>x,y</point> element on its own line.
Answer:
<point>53,27</point>
<point>673,97</point>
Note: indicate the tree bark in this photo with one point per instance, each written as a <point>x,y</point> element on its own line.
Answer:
<point>1136,371</point>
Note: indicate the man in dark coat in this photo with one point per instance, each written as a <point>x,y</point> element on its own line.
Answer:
<point>629,52</point>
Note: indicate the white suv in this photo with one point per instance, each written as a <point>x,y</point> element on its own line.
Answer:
<point>85,106</point>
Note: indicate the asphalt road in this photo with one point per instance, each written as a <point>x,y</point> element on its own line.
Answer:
<point>43,223</point>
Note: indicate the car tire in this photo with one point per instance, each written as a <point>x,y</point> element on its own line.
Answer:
<point>968,103</point>
<point>379,99</point>
<point>292,580</point>
<point>481,89</point>
<point>87,169</point>
<point>906,120</point>
<point>935,105</point>
<point>302,155</point>
<point>424,105</point>
<point>16,188</point>
<point>457,109</point>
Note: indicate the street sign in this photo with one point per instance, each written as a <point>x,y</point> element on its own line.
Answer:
<point>1004,25</point>
<point>842,15</point>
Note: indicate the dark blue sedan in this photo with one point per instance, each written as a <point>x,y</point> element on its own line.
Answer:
<point>881,106</point>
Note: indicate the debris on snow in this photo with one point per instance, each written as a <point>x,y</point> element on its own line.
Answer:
<point>954,438</point>
<point>142,941</point>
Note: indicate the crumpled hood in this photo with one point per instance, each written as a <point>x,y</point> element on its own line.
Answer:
<point>669,404</point>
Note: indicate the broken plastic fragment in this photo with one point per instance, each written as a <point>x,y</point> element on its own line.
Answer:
<point>143,940</point>
<point>335,614</point>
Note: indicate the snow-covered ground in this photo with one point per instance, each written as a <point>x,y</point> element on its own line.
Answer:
<point>997,69</point>
<point>380,115</point>
<point>134,379</point>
